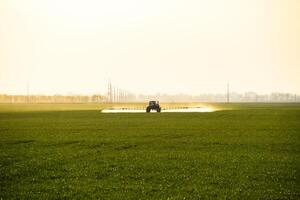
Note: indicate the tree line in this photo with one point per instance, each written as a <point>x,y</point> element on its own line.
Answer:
<point>131,97</point>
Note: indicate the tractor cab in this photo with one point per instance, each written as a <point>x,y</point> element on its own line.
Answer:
<point>153,105</point>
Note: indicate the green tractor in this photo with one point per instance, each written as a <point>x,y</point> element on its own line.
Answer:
<point>153,105</point>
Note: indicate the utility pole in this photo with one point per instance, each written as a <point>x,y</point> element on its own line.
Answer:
<point>118,94</point>
<point>27,90</point>
<point>228,92</point>
<point>110,93</point>
<point>114,94</point>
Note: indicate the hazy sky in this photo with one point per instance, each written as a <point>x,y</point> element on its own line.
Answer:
<point>183,46</point>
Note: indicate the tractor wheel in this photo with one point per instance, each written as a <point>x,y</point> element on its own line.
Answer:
<point>148,109</point>
<point>158,109</point>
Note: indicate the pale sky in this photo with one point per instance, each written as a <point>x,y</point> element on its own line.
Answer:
<point>172,46</point>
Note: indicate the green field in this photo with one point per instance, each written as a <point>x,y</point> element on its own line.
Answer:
<point>246,151</point>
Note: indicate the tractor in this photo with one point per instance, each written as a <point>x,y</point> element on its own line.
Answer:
<point>153,105</point>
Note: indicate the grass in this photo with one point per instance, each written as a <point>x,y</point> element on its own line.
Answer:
<point>248,151</point>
